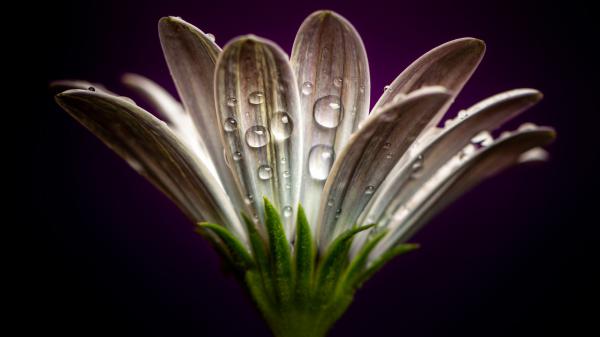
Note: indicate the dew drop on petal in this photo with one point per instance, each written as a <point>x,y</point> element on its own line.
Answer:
<point>231,101</point>
<point>230,124</point>
<point>281,126</point>
<point>338,82</point>
<point>386,88</point>
<point>320,160</point>
<point>287,211</point>
<point>370,189</point>
<point>257,136</point>
<point>265,172</point>
<point>286,174</point>
<point>210,37</point>
<point>307,88</point>
<point>256,97</point>
<point>328,111</point>
<point>92,89</point>
<point>249,199</point>
<point>237,156</point>
<point>484,138</point>
<point>417,167</point>
<point>136,165</point>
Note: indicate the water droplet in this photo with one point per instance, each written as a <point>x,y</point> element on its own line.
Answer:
<point>92,89</point>
<point>388,155</point>
<point>386,88</point>
<point>328,111</point>
<point>257,136</point>
<point>237,156</point>
<point>286,174</point>
<point>320,160</point>
<point>249,199</point>
<point>210,37</point>
<point>307,88</point>
<point>136,165</point>
<point>265,172</point>
<point>231,101</point>
<point>527,127</point>
<point>338,82</point>
<point>387,145</point>
<point>288,211</point>
<point>462,114</point>
<point>256,97</point>
<point>484,138</point>
<point>370,189</point>
<point>283,160</point>
<point>281,125</point>
<point>338,212</point>
<point>288,186</point>
<point>448,122</point>
<point>417,167</point>
<point>361,88</point>
<point>230,124</point>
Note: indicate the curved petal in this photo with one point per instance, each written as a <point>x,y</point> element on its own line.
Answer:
<point>409,177</point>
<point>168,107</point>
<point>331,67</point>
<point>150,147</point>
<point>449,65</point>
<point>258,109</point>
<point>59,86</point>
<point>456,177</point>
<point>191,56</point>
<point>369,156</point>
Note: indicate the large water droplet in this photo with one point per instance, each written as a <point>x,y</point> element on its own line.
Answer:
<point>281,125</point>
<point>257,136</point>
<point>287,211</point>
<point>307,88</point>
<point>230,124</point>
<point>265,172</point>
<point>338,82</point>
<point>320,160</point>
<point>328,111</point>
<point>256,97</point>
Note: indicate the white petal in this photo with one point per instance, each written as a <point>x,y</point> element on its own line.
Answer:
<point>152,149</point>
<point>331,67</point>
<point>258,109</point>
<point>369,156</point>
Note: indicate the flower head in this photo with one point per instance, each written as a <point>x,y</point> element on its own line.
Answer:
<point>278,159</point>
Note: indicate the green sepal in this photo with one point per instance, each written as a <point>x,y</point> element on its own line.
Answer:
<point>382,260</point>
<point>357,266</point>
<point>236,251</point>
<point>334,261</point>
<point>304,258</point>
<point>281,261</point>
<point>261,255</point>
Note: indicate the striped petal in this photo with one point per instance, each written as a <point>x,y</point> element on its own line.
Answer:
<point>410,176</point>
<point>455,178</point>
<point>169,108</point>
<point>258,109</point>
<point>191,56</point>
<point>369,156</point>
<point>331,67</point>
<point>449,65</point>
<point>153,150</point>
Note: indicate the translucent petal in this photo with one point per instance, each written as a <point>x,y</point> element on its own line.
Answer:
<point>258,109</point>
<point>331,67</point>
<point>170,109</point>
<point>449,65</point>
<point>191,56</point>
<point>151,148</point>
<point>369,156</point>
<point>456,177</point>
<point>407,177</point>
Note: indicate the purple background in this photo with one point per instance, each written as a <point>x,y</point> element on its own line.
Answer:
<point>113,255</point>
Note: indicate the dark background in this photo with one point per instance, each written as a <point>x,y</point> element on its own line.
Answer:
<point>109,255</point>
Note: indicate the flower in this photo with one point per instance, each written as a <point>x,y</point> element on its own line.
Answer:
<point>299,188</point>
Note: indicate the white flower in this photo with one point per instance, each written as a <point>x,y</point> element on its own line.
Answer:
<point>254,124</point>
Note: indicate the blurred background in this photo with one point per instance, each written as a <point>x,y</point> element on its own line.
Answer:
<point>109,254</point>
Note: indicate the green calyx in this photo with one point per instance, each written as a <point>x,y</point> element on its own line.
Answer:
<point>299,293</point>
